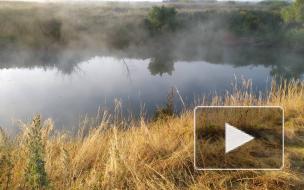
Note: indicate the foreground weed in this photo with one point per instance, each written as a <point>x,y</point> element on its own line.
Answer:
<point>35,174</point>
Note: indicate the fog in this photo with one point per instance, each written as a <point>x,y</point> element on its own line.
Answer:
<point>73,57</point>
<point>63,36</point>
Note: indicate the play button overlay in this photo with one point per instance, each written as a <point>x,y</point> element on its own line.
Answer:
<point>238,138</point>
<point>235,138</point>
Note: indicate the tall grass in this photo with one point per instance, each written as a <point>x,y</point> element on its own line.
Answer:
<point>154,154</point>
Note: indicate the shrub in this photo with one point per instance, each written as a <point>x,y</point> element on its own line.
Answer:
<point>295,38</point>
<point>164,112</point>
<point>255,22</point>
<point>161,18</point>
<point>288,14</point>
<point>35,174</point>
<point>299,10</point>
<point>294,12</point>
<point>119,37</point>
<point>52,29</point>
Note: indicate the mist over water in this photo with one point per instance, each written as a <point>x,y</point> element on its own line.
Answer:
<point>97,82</point>
<point>69,85</point>
<point>70,61</point>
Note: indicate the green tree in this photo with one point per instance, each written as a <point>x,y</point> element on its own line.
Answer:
<point>162,18</point>
<point>255,22</point>
<point>299,10</point>
<point>294,12</point>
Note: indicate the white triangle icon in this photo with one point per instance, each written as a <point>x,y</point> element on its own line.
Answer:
<point>235,138</point>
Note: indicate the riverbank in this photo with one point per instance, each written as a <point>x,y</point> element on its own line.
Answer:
<point>125,26</point>
<point>142,154</point>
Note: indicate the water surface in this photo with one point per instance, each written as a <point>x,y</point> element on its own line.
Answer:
<point>67,91</point>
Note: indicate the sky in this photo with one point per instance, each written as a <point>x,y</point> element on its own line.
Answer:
<point>114,0</point>
<point>86,0</point>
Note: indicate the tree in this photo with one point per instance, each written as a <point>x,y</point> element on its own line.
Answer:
<point>294,12</point>
<point>299,10</point>
<point>161,18</point>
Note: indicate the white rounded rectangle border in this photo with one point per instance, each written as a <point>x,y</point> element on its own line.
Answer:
<point>252,169</point>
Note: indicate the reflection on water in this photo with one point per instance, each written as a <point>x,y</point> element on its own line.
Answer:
<point>64,88</point>
<point>161,63</point>
<point>281,62</point>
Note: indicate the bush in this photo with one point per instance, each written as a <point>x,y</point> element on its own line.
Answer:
<point>255,22</point>
<point>119,38</point>
<point>52,30</point>
<point>295,38</point>
<point>299,10</point>
<point>288,14</point>
<point>161,18</point>
<point>294,12</point>
<point>164,112</point>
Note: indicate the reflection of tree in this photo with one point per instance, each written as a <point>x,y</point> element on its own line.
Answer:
<point>63,61</point>
<point>283,63</point>
<point>288,68</point>
<point>214,54</point>
<point>161,63</point>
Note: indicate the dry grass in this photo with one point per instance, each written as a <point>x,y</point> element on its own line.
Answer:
<point>154,155</point>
